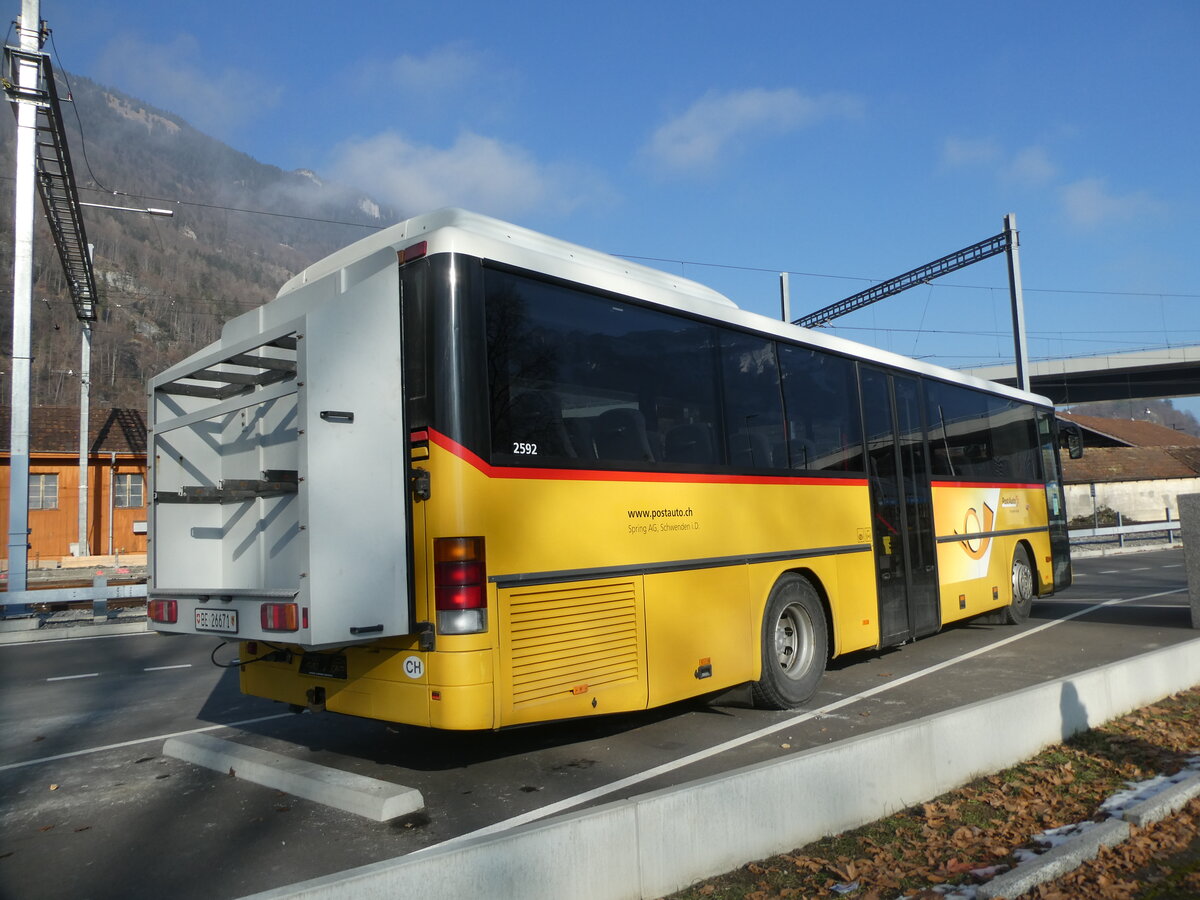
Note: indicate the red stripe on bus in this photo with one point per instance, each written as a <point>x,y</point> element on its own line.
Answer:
<point>986,484</point>
<point>491,471</point>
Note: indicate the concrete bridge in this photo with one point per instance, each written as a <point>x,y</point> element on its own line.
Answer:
<point>1143,375</point>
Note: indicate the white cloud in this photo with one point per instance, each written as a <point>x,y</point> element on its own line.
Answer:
<point>441,69</point>
<point>476,172</point>
<point>1031,166</point>
<point>1089,203</point>
<point>962,152</point>
<point>696,139</point>
<point>176,76</point>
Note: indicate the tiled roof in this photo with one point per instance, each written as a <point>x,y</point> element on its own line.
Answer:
<point>56,429</point>
<point>1134,433</point>
<point>1106,464</point>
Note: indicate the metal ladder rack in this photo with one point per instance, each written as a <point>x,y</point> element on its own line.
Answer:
<point>236,374</point>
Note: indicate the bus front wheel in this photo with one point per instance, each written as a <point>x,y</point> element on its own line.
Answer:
<point>1017,612</point>
<point>794,645</point>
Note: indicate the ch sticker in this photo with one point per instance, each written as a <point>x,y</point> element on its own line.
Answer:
<point>414,666</point>
<point>975,543</point>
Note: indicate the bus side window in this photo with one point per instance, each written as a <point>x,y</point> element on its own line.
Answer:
<point>621,435</point>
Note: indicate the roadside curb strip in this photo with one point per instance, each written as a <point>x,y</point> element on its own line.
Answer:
<point>654,844</point>
<point>1068,856</point>
<point>371,798</point>
<point>1055,863</point>
<point>29,633</point>
<point>1163,804</point>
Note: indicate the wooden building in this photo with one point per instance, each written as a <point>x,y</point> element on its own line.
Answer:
<point>116,521</point>
<point>1136,468</point>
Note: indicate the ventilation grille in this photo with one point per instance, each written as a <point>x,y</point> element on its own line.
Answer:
<point>564,641</point>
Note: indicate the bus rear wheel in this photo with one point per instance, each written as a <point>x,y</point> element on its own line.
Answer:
<point>1017,612</point>
<point>794,645</point>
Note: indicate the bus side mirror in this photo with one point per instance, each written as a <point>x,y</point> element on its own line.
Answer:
<point>1070,437</point>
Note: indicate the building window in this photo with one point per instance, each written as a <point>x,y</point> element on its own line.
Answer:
<point>128,491</point>
<point>43,492</point>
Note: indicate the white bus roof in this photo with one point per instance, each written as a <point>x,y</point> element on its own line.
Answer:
<point>459,231</point>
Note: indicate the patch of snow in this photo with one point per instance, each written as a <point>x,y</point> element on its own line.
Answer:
<point>370,207</point>
<point>310,175</point>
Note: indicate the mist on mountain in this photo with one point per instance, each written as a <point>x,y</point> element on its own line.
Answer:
<point>165,286</point>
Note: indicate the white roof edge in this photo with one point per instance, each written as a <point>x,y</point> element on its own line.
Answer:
<point>452,229</point>
<point>458,230</point>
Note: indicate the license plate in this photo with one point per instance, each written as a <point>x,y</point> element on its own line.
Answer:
<point>224,620</point>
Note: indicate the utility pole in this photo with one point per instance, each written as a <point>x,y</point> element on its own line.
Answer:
<point>1020,350</point>
<point>29,27</point>
<point>85,390</point>
<point>785,297</point>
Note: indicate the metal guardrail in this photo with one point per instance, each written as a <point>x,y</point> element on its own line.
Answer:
<point>17,603</point>
<point>1121,531</point>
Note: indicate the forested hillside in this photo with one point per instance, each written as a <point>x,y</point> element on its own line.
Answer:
<point>165,285</point>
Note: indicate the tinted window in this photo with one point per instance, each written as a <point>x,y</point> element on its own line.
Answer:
<point>577,378</point>
<point>980,437</point>
<point>753,402</point>
<point>820,392</point>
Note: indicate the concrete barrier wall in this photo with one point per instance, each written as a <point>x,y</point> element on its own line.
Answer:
<point>1189,514</point>
<point>663,841</point>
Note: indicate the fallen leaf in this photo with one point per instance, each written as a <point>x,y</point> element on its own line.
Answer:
<point>54,787</point>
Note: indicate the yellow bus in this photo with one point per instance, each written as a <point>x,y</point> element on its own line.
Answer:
<point>466,476</point>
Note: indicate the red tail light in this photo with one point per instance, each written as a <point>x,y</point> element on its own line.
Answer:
<point>460,585</point>
<point>280,617</point>
<point>415,251</point>
<point>165,612</point>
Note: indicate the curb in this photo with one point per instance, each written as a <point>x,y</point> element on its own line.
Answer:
<point>1162,805</point>
<point>371,798</point>
<point>18,632</point>
<point>1055,863</point>
<point>1069,856</point>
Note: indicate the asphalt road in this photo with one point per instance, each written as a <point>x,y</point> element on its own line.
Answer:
<point>92,809</point>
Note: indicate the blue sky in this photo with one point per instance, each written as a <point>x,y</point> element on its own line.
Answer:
<point>843,142</point>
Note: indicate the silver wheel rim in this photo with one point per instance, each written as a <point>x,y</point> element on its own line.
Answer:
<point>1022,582</point>
<point>794,641</point>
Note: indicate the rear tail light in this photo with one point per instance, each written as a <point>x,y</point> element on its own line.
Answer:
<point>460,585</point>
<point>165,612</point>
<point>280,617</point>
<point>414,251</point>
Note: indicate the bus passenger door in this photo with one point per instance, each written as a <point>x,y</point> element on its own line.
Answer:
<point>901,507</point>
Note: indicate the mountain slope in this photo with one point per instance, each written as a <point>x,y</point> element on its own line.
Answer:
<point>165,285</point>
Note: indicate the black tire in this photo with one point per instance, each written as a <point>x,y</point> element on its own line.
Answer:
<point>1017,612</point>
<point>795,645</point>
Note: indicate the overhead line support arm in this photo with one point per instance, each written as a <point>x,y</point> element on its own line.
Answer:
<point>952,262</point>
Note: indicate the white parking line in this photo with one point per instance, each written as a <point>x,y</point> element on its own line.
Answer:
<point>143,740</point>
<point>71,677</point>
<point>734,743</point>
<point>164,668</point>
